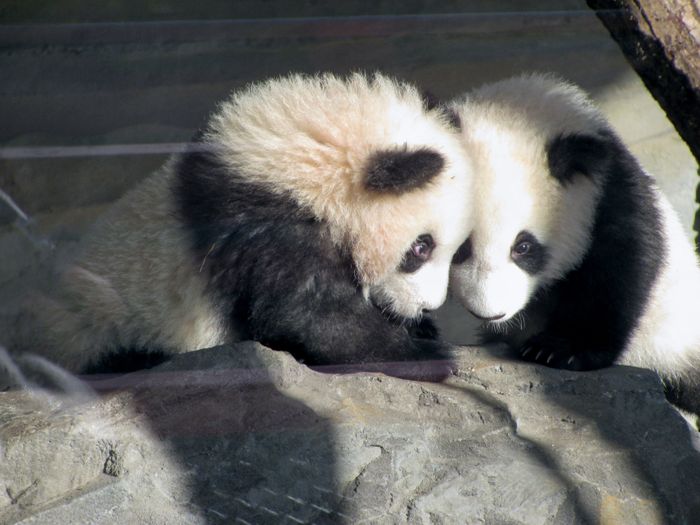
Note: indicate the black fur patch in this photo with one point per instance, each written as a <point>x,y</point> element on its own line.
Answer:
<point>453,118</point>
<point>568,155</point>
<point>463,253</point>
<point>684,393</point>
<point>534,261</point>
<point>412,263</point>
<point>425,329</point>
<point>278,277</point>
<point>401,170</point>
<point>591,312</point>
<point>431,102</point>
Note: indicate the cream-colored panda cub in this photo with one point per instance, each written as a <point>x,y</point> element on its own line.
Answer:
<point>315,214</point>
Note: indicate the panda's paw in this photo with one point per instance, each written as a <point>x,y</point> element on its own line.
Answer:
<point>425,329</point>
<point>554,352</point>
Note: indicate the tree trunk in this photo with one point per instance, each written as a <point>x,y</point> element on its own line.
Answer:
<point>661,40</point>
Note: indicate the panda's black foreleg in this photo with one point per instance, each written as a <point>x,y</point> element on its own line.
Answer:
<point>581,328</point>
<point>424,329</point>
<point>353,335</point>
<point>578,336</point>
<point>282,281</point>
<point>322,319</point>
<point>557,351</point>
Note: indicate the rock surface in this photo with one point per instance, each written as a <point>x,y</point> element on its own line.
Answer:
<point>246,435</point>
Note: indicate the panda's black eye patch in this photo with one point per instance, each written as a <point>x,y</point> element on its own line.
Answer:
<point>420,251</point>
<point>463,253</point>
<point>528,253</point>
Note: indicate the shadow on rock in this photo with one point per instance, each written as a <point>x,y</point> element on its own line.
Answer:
<point>250,454</point>
<point>614,445</point>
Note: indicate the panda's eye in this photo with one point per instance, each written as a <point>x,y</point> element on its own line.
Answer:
<point>420,251</point>
<point>528,253</point>
<point>525,244</point>
<point>522,248</point>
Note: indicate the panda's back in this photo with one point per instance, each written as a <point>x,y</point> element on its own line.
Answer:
<point>667,337</point>
<point>132,284</point>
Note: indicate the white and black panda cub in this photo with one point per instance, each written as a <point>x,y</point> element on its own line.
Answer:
<point>576,259</point>
<point>315,214</point>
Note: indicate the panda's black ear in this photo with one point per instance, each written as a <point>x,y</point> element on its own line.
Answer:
<point>568,155</point>
<point>431,102</point>
<point>401,170</point>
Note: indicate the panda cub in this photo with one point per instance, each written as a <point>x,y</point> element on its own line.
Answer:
<point>314,214</point>
<point>576,260</point>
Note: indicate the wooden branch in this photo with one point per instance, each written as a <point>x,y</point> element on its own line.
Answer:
<point>661,40</point>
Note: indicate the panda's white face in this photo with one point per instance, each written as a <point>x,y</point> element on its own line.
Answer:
<point>436,218</point>
<point>385,172</point>
<point>506,256</point>
<point>530,229</point>
<point>494,278</point>
<point>420,282</point>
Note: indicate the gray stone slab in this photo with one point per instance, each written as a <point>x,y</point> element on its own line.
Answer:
<point>245,433</point>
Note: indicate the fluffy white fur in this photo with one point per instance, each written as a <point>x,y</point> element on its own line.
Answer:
<point>311,137</point>
<point>668,336</point>
<point>506,126</point>
<point>132,284</point>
